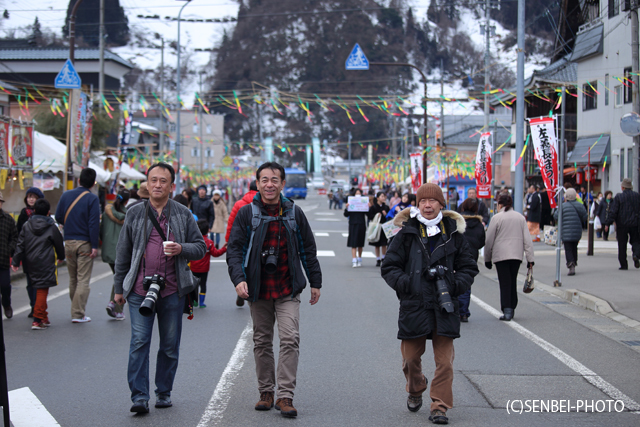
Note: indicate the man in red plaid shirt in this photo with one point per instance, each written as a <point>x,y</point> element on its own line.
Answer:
<point>268,268</point>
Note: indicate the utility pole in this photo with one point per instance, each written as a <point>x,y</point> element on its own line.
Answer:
<point>441,103</point>
<point>162,112</point>
<point>487,84</point>
<point>394,135</point>
<point>178,130</point>
<point>635,45</point>
<point>200,126</point>
<point>101,75</point>
<point>519,179</point>
<point>349,147</point>
<point>561,147</point>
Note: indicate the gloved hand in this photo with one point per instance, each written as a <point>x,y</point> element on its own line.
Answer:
<point>488,265</point>
<point>530,264</point>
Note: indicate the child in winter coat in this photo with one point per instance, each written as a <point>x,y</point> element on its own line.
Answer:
<point>39,248</point>
<point>200,268</point>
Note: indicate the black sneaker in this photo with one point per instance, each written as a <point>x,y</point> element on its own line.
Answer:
<point>30,315</point>
<point>140,407</point>
<point>438,417</point>
<point>378,262</point>
<point>163,402</point>
<point>636,262</point>
<point>464,319</point>
<point>414,403</point>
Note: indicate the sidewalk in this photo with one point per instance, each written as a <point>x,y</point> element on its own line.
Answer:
<point>598,284</point>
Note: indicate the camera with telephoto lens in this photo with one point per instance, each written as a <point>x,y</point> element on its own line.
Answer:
<point>153,285</point>
<point>437,273</point>
<point>270,260</point>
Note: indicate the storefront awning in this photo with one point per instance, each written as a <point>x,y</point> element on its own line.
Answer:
<point>580,154</point>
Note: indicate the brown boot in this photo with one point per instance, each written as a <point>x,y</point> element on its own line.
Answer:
<point>285,406</point>
<point>266,401</point>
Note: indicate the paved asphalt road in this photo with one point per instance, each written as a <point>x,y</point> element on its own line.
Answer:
<point>350,365</point>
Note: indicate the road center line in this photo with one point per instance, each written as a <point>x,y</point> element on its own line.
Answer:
<point>51,297</point>
<point>563,357</point>
<point>222,393</point>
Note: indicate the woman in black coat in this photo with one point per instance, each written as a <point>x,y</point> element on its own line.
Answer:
<point>602,211</point>
<point>379,206</point>
<point>33,194</point>
<point>475,236</point>
<point>357,232</point>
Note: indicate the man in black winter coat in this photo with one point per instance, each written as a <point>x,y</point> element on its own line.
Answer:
<point>625,212</point>
<point>429,264</point>
<point>202,206</point>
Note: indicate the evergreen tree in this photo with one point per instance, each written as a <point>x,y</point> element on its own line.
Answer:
<point>88,22</point>
<point>36,36</point>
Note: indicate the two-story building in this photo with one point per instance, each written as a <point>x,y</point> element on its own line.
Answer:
<point>603,54</point>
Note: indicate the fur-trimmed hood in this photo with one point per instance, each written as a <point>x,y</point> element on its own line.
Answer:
<point>461,224</point>
<point>478,217</point>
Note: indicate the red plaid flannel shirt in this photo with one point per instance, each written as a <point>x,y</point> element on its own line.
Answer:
<point>277,285</point>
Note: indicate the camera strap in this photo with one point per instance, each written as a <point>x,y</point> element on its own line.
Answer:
<point>156,225</point>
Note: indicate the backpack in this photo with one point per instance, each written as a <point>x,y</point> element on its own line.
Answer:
<point>256,217</point>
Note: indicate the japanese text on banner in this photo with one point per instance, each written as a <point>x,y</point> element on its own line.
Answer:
<point>545,146</point>
<point>483,167</point>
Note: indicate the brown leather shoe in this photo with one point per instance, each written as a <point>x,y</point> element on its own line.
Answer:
<point>285,406</point>
<point>266,401</point>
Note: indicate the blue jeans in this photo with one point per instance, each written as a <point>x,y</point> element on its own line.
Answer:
<point>169,312</point>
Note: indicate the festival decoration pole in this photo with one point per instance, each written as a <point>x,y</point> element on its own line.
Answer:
<point>558,281</point>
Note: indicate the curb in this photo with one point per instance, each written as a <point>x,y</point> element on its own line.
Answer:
<point>587,301</point>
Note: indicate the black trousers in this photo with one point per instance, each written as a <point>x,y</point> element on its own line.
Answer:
<point>203,281</point>
<point>624,235</point>
<point>571,252</point>
<point>5,286</point>
<point>508,279</point>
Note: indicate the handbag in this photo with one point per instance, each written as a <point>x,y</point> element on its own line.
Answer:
<point>528,282</point>
<point>374,230</point>
<point>597,224</point>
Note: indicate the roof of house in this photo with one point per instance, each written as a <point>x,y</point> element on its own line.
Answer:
<point>7,86</point>
<point>588,42</point>
<point>59,54</point>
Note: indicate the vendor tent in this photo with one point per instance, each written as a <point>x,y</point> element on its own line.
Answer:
<point>49,156</point>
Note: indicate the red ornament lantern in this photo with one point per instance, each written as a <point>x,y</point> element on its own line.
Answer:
<point>579,177</point>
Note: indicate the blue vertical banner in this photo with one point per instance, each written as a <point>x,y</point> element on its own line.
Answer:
<point>317,166</point>
<point>268,149</point>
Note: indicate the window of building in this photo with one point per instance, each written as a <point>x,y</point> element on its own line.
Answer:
<point>629,162</point>
<point>621,164</point>
<point>497,159</point>
<point>606,89</point>
<point>618,100</point>
<point>195,128</point>
<point>628,89</point>
<point>172,127</point>
<point>205,166</point>
<point>589,97</point>
<point>614,8</point>
<point>208,152</point>
<point>2,110</point>
<point>195,152</point>
<point>208,128</point>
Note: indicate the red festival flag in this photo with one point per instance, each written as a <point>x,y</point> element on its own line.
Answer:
<point>545,145</point>
<point>483,167</point>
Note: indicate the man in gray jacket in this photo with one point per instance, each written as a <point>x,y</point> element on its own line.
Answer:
<point>157,241</point>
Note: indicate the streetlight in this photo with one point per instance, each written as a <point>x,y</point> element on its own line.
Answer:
<point>178,143</point>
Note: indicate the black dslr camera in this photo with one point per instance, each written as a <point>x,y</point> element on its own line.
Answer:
<point>437,273</point>
<point>153,285</point>
<point>270,260</point>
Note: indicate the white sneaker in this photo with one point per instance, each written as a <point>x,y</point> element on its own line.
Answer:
<point>354,264</point>
<point>85,319</point>
<point>359,263</point>
<point>119,316</point>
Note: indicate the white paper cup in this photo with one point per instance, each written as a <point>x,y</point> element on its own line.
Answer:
<point>164,245</point>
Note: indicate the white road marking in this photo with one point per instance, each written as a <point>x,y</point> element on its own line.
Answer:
<point>563,357</point>
<point>328,219</point>
<point>222,393</point>
<point>326,253</point>
<point>367,254</point>
<point>61,293</point>
<point>322,234</point>
<point>27,410</point>
<point>345,234</point>
<point>218,260</point>
<point>325,213</point>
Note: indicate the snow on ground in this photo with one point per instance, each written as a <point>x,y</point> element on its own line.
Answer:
<point>194,35</point>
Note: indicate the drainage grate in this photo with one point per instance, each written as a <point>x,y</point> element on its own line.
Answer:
<point>631,343</point>
<point>554,302</point>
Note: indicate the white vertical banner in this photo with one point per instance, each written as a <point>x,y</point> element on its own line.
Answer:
<point>545,146</point>
<point>483,167</point>
<point>416,171</point>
